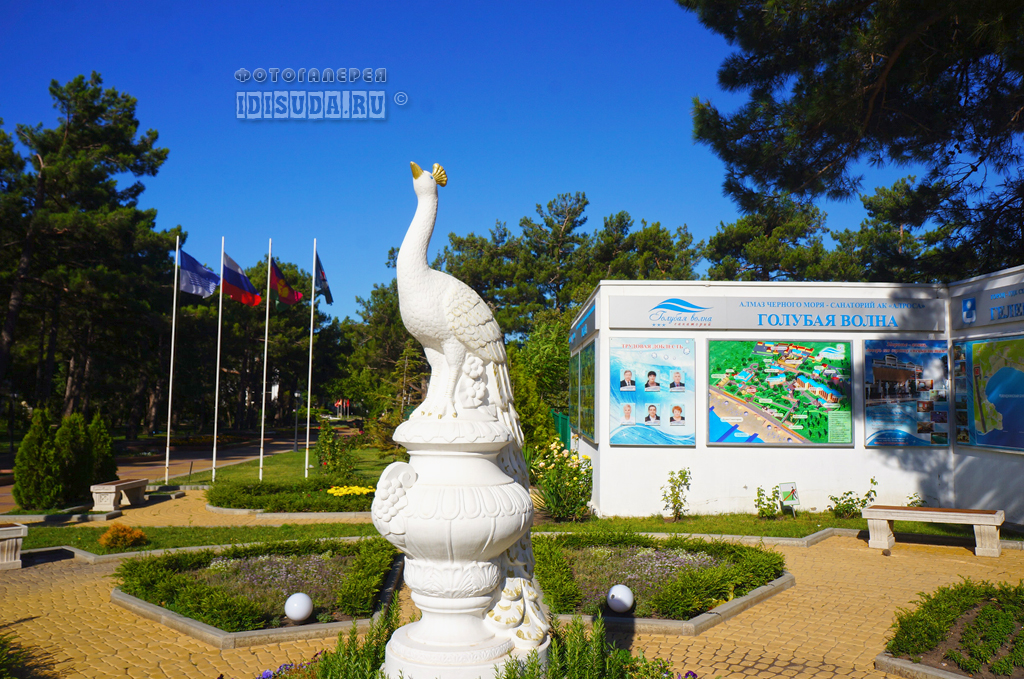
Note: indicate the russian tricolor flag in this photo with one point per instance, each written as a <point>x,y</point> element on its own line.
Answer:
<point>236,285</point>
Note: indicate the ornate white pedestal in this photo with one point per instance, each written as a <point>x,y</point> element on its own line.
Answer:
<point>454,513</point>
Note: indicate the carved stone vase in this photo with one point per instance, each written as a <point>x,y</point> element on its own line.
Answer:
<point>453,512</point>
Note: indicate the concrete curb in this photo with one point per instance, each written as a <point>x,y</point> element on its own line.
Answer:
<point>161,488</point>
<point>284,516</point>
<point>911,670</point>
<point>64,518</point>
<point>229,640</point>
<point>700,624</point>
<point>90,558</point>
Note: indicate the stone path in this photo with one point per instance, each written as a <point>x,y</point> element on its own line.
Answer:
<point>832,623</point>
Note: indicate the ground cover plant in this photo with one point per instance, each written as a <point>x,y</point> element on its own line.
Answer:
<point>674,578</point>
<point>565,481</point>
<point>574,653</point>
<point>87,537</point>
<point>245,587</point>
<point>977,627</point>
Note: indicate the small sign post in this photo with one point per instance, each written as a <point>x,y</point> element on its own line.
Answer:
<point>789,497</point>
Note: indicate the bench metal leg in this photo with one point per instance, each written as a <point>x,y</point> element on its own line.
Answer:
<point>986,541</point>
<point>880,534</point>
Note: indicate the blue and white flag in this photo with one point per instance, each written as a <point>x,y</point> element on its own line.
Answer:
<point>195,278</point>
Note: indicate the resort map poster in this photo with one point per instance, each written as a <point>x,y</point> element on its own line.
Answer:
<point>989,392</point>
<point>779,393</point>
<point>652,398</point>
<point>906,393</point>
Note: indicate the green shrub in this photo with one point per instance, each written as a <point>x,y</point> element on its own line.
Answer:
<point>12,656</point>
<point>767,507</point>
<point>336,454</point>
<point>365,577</point>
<point>922,629</point>
<point>673,494</point>
<point>561,593</point>
<point>73,457</point>
<point>847,505</point>
<point>37,485</point>
<point>566,483</point>
<point>104,465</point>
<point>359,659</point>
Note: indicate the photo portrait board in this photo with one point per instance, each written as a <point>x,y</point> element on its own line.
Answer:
<point>906,393</point>
<point>779,393</point>
<point>652,399</point>
<point>989,395</point>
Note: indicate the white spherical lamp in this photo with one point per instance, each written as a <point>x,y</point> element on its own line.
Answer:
<point>299,607</point>
<point>620,598</point>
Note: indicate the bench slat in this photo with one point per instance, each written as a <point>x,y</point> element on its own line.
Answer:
<point>976,517</point>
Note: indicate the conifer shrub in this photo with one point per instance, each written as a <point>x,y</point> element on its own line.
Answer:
<point>36,483</point>
<point>104,465</point>
<point>120,536</point>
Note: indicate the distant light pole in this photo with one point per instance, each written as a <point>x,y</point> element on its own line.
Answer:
<point>298,397</point>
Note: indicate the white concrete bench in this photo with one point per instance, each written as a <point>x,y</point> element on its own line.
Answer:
<point>986,524</point>
<point>106,497</point>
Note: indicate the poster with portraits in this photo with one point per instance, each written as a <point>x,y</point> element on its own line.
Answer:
<point>906,393</point>
<point>652,392</point>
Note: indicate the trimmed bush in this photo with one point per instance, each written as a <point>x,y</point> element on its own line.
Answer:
<point>73,457</point>
<point>308,495</point>
<point>120,536</point>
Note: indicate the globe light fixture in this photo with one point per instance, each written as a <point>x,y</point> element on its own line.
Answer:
<point>620,598</point>
<point>299,606</point>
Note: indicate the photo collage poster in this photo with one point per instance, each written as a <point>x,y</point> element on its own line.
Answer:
<point>906,393</point>
<point>988,380</point>
<point>652,392</point>
<point>773,393</point>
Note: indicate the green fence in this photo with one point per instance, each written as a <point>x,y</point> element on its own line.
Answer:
<point>563,427</point>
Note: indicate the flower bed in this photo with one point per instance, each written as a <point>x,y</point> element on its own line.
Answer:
<point>976,628</point>
<point>673,579</point>
<point>314,494</point>
<point>245,588</point>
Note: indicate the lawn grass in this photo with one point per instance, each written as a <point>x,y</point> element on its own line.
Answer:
<point>283,468</point>
<point>803,525</point>
<point>87,538</point>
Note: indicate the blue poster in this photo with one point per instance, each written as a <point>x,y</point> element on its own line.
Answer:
<point>652,392</point>
<point>906,393</point>
<point>989,395</point>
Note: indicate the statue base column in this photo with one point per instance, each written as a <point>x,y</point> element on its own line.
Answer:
<point>417,660</point>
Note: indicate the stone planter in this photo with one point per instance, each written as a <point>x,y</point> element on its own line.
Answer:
<point>11,535</point>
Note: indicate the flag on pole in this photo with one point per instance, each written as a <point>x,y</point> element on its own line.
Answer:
<point>321,282</point>
<point>196,278</point>
<point>237,286</point>
<point>280,291</point>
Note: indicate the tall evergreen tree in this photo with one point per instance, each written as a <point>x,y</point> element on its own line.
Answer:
<point>834,84</point>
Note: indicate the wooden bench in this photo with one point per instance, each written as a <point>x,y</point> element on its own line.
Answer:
<point>106,497</point>
<point>986,524</point>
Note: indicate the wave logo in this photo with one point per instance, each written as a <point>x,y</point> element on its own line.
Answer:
<point>678,311</point>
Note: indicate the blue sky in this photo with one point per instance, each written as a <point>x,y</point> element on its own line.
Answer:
<point>518,102</point>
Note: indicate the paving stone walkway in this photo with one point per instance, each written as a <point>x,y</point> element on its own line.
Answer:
<point>832,624</point>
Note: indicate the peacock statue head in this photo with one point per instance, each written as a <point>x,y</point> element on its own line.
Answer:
<point>426,183</point>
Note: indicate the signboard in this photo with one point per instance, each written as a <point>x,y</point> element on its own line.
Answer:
<point>787,494</point>
<point>906,393</point>
<point>811,313</point>
<point>652,392</point>
<point>779,393</point>
<point>988,378</point>
<point>584,328</point>
<point>988,307</point>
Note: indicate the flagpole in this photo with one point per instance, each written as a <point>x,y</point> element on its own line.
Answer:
<point>309,381</point>
<point>216,395</point>
<point>266,341</point>
<point>170,379</point>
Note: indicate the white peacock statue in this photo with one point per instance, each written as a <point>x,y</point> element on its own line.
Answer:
<point>469,399</point>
